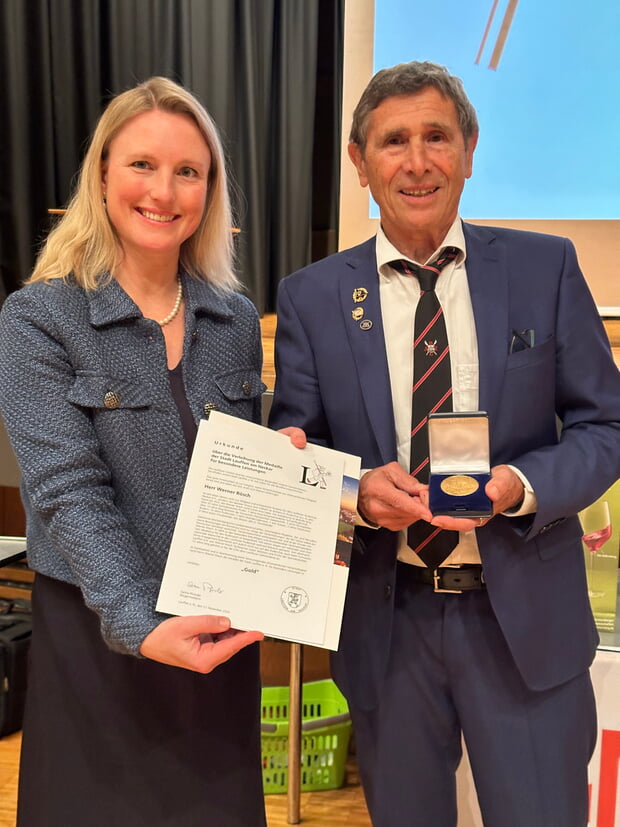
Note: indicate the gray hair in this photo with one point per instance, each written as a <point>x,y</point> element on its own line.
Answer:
<point>409,79</point>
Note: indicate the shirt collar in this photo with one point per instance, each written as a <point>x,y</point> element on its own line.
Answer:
<point>387,252</point>
<point>109,303</point>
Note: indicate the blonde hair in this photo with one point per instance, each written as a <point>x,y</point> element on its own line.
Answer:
<point>85,244</point>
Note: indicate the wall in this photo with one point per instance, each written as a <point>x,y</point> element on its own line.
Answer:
<point>597,242</point>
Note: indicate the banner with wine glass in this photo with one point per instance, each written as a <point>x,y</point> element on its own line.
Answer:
<point>601,547</point>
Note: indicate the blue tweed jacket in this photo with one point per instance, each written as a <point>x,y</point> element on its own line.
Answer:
<point>101,486</point>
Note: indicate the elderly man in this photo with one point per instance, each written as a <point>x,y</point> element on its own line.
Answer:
<point>456,627</point>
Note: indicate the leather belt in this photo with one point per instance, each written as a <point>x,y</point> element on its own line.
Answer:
<point>448,579</point>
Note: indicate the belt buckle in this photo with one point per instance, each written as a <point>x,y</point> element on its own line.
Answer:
<point>437,575</point>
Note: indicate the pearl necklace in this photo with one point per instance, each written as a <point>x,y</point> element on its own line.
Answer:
<point>177,305</point>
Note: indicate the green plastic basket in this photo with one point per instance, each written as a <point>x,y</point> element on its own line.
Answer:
<point>326,729</point>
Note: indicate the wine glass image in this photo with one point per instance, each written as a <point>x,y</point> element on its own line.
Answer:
<point>596,524</point>
<point>600,549</point>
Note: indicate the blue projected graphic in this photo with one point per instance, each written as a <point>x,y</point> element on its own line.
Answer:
<point>544,76</point>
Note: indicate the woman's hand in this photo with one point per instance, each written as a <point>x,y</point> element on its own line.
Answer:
<point>197,643</point>
<point>296,435</point>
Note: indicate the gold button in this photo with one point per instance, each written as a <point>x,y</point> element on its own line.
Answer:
<point>246,388</point>
<point>208,407</point>
<point>112,400</point>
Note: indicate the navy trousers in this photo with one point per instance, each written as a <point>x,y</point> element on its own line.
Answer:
<point>451,674</point>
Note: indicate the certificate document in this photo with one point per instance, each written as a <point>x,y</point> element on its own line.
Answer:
<point>263,534</point>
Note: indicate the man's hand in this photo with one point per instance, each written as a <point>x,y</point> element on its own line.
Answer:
<point>390,497</point>
<point>504,489</point>
<point>197,643</point>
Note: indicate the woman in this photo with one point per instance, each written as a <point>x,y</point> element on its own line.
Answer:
<point>127,333</point>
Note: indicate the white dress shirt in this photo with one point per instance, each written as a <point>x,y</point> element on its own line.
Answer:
<point>399,296</point>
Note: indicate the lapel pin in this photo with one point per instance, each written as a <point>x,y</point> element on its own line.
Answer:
<point>366,324</point>
<point>357,313</point>
<point>359,294</point>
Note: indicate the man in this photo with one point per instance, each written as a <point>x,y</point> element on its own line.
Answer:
<point>503,657</point>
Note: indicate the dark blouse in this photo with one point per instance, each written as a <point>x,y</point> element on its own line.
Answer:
<point>187,420</point>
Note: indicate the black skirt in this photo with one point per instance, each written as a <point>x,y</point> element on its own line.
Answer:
<point>110,740</point>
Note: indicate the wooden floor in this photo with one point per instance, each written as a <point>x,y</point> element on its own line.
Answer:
<point>9,761</point>
<point>330,808</point>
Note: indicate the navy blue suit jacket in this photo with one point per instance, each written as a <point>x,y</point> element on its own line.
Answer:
<point>554,412</point>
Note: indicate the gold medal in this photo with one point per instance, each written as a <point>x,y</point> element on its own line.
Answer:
<point>459,485</point>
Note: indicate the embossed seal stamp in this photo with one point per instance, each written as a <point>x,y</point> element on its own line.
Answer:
<point>294,599</point>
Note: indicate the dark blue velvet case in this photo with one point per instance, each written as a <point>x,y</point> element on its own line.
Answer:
<point>459,458</point>
<point>476,504</point>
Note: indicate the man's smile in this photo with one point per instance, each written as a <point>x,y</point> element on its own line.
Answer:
<point>419,193</point>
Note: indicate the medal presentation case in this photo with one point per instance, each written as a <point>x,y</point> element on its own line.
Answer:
<point>459,464</point>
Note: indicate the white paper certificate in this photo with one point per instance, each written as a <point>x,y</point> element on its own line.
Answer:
<point>262,533</point>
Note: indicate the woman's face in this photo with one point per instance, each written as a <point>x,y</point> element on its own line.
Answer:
<point>155,183</point>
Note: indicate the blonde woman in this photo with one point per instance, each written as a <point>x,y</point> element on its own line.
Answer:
<point>128,332</point>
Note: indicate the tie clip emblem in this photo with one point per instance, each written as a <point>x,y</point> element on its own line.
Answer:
<point>359,294</point>
<point>357,313</point>
<point>430,348</point>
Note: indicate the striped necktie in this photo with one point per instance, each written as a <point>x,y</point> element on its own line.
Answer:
<point>432,393</point>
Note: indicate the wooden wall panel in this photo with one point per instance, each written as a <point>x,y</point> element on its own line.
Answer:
<point>12,517</point>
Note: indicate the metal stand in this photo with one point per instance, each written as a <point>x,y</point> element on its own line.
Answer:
<point>294,733</point>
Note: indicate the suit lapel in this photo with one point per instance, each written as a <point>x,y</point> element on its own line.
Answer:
<point>488,286</point>
<point>367,343</point>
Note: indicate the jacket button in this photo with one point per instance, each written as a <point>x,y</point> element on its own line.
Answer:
<point>112,400</point>
<point>387,591</point>
<point>208,407</point>
<point>247,390</point>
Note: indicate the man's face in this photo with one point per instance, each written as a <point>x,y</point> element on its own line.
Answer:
<point>415,163</point>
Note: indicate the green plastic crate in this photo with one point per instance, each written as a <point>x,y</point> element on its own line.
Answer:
<point>326,729</point>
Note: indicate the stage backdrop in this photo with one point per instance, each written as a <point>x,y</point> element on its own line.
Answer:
<point>543,80</point>
<point>269,72</point>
